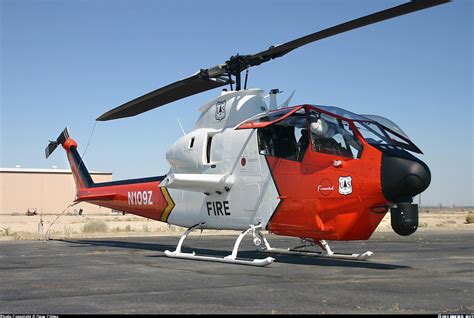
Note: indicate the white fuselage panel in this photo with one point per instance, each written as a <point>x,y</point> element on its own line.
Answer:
<point>217,175</point>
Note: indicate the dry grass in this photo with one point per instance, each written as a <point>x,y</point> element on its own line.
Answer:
<point>94,227</point>
<point>449,222</point>
<point>470,217</point>
<point>105,225</point>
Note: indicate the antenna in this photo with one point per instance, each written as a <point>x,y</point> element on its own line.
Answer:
<point>181,126</point>
<point>287,101</point>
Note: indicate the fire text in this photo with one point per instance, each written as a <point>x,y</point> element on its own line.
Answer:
<point>218,208</point>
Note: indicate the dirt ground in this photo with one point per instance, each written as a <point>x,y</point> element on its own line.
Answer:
<point>118,225</point>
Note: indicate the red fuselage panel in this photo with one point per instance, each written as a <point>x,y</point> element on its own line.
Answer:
<point>144,199</point>
<point>322,201</point>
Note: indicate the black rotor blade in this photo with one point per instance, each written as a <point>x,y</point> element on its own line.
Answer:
<point>282,49</point>
<point>216,76</point>
<point>167,94</point>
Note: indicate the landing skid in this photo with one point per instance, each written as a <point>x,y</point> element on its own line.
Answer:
<point>289,251</point>
<point>263,246</point>
<point>232,258</point>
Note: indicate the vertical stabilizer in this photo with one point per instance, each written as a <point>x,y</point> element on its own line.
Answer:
<point>81,175</point>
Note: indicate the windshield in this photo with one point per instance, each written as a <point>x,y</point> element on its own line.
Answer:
<point>387,123</point>
<point>377,130</point>
<point>375,134</point>
<point>372,133</point>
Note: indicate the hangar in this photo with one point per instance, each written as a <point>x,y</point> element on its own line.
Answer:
<point>46,191</point>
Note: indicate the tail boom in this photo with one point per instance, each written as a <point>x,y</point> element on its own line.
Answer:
<point>144,197</point>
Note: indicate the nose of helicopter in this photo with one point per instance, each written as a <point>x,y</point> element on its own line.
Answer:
<point>403,176</point>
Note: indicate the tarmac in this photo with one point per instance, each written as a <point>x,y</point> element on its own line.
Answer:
<point>425,273</point>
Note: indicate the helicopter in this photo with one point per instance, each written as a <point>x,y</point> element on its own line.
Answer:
<point>314,172</point>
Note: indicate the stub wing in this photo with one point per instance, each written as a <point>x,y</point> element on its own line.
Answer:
<point>199,182</point>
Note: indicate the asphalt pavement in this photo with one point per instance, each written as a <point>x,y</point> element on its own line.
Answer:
<point>428,272</point>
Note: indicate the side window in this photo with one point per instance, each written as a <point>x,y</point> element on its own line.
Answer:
<point>333,136</point>
<point>287,139</point>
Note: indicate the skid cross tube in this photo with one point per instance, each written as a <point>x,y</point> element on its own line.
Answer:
<point>232,258</point>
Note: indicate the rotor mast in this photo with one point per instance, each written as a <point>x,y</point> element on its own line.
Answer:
<point>235,65</point>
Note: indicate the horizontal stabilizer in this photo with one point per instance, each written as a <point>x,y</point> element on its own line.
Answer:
<point>97,197</point>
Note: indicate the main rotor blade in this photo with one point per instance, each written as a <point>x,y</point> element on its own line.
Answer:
<point>217,76</point>
<point>282,49</point>
<point>167,94</point>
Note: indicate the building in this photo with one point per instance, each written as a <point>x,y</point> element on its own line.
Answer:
<point>49,191</point>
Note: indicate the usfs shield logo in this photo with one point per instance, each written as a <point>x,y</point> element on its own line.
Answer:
<point>220,110</point>
<point>345,185</point>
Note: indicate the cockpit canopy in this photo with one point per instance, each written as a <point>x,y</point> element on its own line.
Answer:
<point>341,124</point>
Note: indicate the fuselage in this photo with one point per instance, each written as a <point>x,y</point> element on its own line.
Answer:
<point>244,164</point>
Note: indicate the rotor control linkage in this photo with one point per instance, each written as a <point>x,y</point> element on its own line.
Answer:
<point>232,258</point>
<point>262,245</point>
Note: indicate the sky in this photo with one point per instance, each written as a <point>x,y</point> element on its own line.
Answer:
<point>64,63</point>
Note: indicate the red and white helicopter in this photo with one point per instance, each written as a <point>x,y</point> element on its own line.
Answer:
<point>308,171</point>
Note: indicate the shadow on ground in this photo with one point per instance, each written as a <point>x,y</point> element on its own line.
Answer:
<point>280,258</point>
